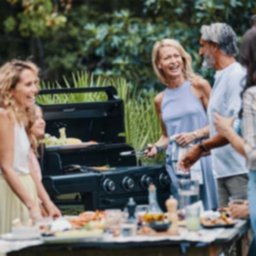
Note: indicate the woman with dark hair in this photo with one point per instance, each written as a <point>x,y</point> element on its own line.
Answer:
<point>246,145</point>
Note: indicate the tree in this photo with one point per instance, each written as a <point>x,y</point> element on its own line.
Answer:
<point>110,37</point>
<point>120,43</point>
<point>26,22</point>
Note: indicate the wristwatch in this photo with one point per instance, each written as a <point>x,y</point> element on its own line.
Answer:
<point>159,148</point>
<point>203,147</point>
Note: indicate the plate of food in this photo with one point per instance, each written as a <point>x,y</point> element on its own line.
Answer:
<point>153,217</point>
<point>87,226</point>
<point>217,220</point>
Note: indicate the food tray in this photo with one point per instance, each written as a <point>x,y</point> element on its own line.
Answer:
<point>230,225</point>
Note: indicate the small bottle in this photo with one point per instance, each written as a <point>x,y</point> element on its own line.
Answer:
<point>152,199</point>
<point>129,227</point>
<point>131,206</point>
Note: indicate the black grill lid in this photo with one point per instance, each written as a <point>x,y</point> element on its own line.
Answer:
<point>101,121</point>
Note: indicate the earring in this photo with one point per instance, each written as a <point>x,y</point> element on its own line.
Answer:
<point>8,101</point>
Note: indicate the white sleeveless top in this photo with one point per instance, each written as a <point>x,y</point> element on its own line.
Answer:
<point>21,150</point>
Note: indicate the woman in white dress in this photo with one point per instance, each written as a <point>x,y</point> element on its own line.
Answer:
<point>20,186</point>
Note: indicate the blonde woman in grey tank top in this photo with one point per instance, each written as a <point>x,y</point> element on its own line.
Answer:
<point>181,110</point>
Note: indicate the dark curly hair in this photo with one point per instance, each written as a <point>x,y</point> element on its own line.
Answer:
<point>248,58</point>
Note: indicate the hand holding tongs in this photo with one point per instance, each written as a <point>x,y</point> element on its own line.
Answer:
<point>137,153</point>
<point>143,152</point>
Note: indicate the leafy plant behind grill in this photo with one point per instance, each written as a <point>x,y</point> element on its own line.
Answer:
<point>141,122</point>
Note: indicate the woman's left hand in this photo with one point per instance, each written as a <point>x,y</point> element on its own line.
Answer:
<point>52,210</point>
<point>223,124</point>
<point>183,139</point>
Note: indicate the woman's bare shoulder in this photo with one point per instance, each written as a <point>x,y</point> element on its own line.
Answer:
<point>3,112</point>
<point>200,83</point>
<point>158,101</point>
<point>159,97</point>
<point>5,116</point>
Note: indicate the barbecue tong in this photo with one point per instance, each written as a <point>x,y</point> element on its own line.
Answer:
<point>137,153</point>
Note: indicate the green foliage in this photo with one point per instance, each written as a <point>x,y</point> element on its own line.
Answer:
<point>35,18</point>
<point>121,42</point>
<point>122,45</point>
<point>9,24</point>
<point>63,51</point>
<point>113,37</point>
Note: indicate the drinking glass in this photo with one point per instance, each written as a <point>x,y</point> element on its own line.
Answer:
<point>177,152</point>
<point>188,191</point>
<point>113,220</point>
<point>140,211</point>
<point>192,214</point>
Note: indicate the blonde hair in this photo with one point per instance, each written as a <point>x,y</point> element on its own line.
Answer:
<point>186,59</point>
<point>32,117</point>
<point>9,77</point>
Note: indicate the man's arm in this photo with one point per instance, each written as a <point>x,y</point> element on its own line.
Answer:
<point>214,142</point>
<point>224,127</point>
<point>200,150</point>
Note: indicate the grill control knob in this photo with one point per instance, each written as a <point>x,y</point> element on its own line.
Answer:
<point>145,181</point>
<point>109,185</point>
<point>128,183</point>
<point>164,179</point>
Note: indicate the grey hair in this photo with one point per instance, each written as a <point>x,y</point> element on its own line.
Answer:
<point>221,34</point>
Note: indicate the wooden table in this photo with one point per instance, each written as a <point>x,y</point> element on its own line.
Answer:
<point>229,238</point>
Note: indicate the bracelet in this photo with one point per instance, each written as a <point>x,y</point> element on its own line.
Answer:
<point>159,148</point>
<point>203,147</point>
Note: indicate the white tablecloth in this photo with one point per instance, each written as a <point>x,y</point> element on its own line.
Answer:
<point>204,235</point>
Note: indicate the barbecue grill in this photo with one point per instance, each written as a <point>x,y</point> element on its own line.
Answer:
<point>73,168</point>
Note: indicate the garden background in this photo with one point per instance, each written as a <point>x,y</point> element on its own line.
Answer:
<point>97,42</point>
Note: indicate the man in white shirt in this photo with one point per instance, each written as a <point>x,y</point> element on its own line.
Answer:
<point>218,48</point>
